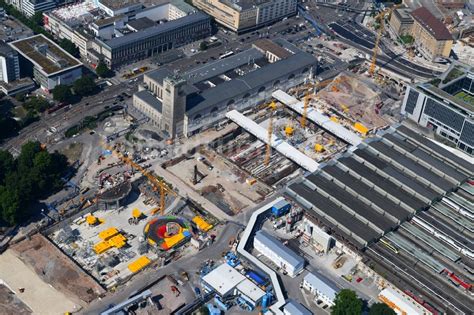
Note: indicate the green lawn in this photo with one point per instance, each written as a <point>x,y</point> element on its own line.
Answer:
<point>466,97</point>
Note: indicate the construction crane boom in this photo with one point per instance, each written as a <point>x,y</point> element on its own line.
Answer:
<point>156,183</point>
<point>381,17</point>
<point>268,153</point>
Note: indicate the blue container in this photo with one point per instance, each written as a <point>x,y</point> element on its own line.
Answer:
<point>256,277</point>
<point>280,208</point>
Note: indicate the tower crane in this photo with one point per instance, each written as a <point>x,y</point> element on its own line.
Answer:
<point>157,184</point>
<point>268,153</point>
<point>381,17</point>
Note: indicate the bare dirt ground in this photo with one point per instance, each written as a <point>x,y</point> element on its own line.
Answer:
<point>39,296</point>
<point>11,304</point>
<point>73,152</point>
<point>57,269</point>
<point>359,99</point>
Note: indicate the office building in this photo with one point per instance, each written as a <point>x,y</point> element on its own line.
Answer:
<point>154,40</point>
<point>432,38</point>
<point>90,26</point>
<point>401,21</point>
<point>9,64</point>
<point>117,7</point>
<point>31,7</point>
<point>48,63</point>
<point>244,15</point>
<point>322,289</point>
<point>284,258</point>
<point>226,281</point>
<point>446,108</point>
<point>199,98</point>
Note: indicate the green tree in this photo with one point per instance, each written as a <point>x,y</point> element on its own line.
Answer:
<point>10,205</point>
<point>347,303</point>
<point>62,93</point>
<point>36,103</point>
<point>8,126</point>
<point>102,70</point>
<point>35,174</point>
<point>69,46</point>
<point>7,164</point>
<point>84,86</point>
<point>381,309</point>
<point>203,46</point>
<point>38,19</point>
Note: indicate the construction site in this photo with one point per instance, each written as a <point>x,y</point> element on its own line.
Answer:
<point>134,220</point>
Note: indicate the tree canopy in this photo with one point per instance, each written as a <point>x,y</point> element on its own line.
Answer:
<point>62,93</point>
<point>102,70</point>
<point>381,309</point>
<point>33,175</point>
<point>347,303</point>
<point>36,103</point>
<point>70,47</point>
<point>84,86</point>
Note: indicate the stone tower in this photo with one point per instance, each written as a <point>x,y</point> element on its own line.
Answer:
<point>174,106</point>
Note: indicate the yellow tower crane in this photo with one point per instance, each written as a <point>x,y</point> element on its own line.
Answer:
<point>381,17</point>
<point>268,153</point>
<point>157,184</point>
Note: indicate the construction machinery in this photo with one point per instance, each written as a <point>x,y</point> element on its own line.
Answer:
<point>380,17</point>
<point>158,184</point>
<point>272,106</point>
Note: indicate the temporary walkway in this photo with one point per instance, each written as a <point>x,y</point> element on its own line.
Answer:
<point>247,236</point>
<point>318,118</point>
<point>278,144</point>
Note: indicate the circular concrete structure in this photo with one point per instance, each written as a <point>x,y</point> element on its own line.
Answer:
<point>114,197</point>
<point>166,232</point>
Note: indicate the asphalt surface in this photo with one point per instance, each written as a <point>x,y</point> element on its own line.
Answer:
<point>66,117</point>
<point>346,26</point>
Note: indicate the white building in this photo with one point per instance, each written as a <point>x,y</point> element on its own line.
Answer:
<point>323,289</point>
<point>314,234</point>
<point>295,308</point>
<point>402,303</point>
<point>227,281</point>
<point>30,7</point>
<point>285,259</point>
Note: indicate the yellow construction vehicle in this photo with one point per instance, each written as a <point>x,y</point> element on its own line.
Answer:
<point>289,130</point>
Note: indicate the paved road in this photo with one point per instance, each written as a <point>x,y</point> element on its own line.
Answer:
<point>65,118</point>
<point>189,264</point>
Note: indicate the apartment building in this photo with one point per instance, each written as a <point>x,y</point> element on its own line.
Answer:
<point>243,15</point>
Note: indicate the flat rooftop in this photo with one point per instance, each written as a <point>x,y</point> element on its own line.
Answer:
<point>74,12</point>
<point>45,54</point>
<point>118,4</point>
<point>156,30</point>
<point>445,95</point>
